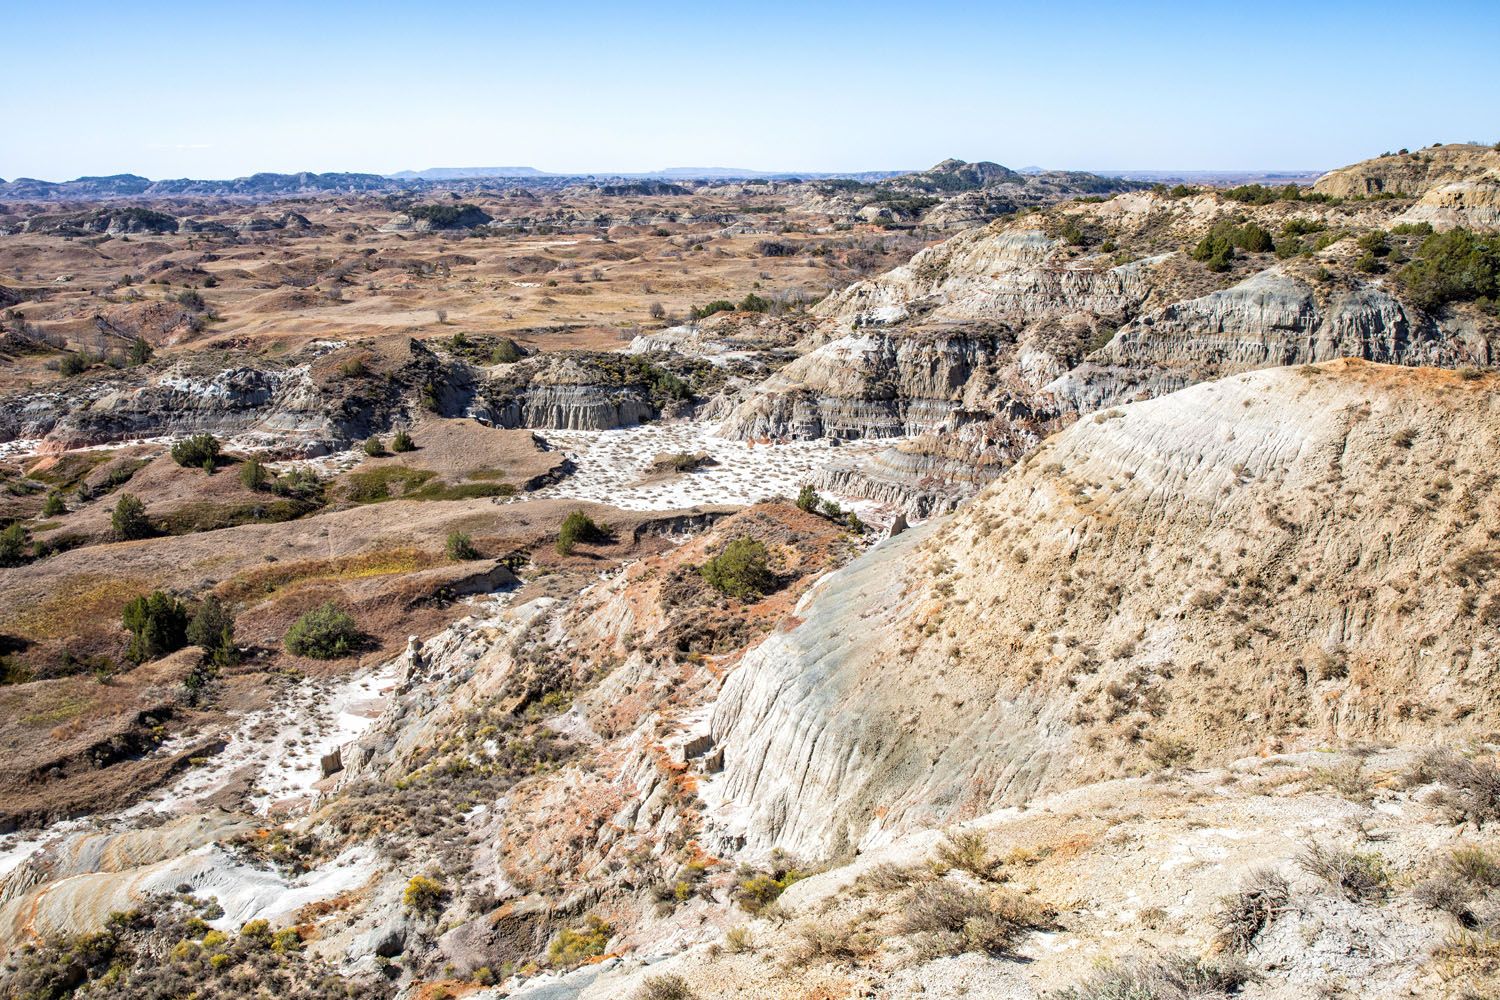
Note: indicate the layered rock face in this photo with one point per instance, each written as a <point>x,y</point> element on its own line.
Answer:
<point>1272,318</point>
<point>1276,558</point>
<point>962,328</point>
<point>952,350</point>
<point>569,407</point>
<point>233,401</point>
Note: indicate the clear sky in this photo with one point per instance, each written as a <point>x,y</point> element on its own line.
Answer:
<point>219,89</point>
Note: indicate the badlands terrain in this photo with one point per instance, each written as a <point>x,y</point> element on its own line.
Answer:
<point>963,583</point>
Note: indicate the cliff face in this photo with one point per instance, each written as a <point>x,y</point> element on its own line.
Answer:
<point>569,407</point>
<point>1286,556</point>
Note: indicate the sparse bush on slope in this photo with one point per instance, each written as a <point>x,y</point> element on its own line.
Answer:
<point>742,570</point>
<point>324,633</point>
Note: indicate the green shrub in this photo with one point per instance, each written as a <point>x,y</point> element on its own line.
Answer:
<point>354,368</point>
<point>949,919</point>
<point>374,447</point>
<point>54,505</point>
<point>1217,248</point>
<point>968,851</point>
<point>754,303</point>
<point>1167,977</point>
<point>157,625</point>
<point>253,474</point>
<point>742,570</point>
<point>754,891</point>
<point>579,527</point>
<point>140,352</point>
<point>129,521</point>
<point>402,442</point>
<point>1374,242</point>
<point>1301,227</point>
<point>14,541</point>
<point>807,499</point>
<point>716,306</point>
<point>1253,239</point>
<point>212,628</point>
<point>574,946</point>
<point>1456,266</point>
<point>1077,235</point>
<point>326,632</point>
<point>1256,194</point>
<point>1216,251</point>
<point>74,364</point>
<point>506,352</point>
<point>460,548</point>
<point>1412,229</point>
<point>1357,876</point>
<point>201,450</point>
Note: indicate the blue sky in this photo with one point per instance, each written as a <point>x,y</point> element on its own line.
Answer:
<point>206,89</point>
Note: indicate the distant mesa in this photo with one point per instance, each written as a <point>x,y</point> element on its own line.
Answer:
<point>134,186</point>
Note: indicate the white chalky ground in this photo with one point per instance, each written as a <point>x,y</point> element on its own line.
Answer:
<point>612,463</point>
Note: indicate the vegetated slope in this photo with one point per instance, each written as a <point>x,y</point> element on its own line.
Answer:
<point>985,342</point>
<point>1275,558</point>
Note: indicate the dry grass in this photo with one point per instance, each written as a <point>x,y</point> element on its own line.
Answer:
<point>966,851</point>
<point>1171,977</point>
<point>1472,785</point>
<point>1360,877</point>
<point>277,577</point>
<point>948,919</point>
